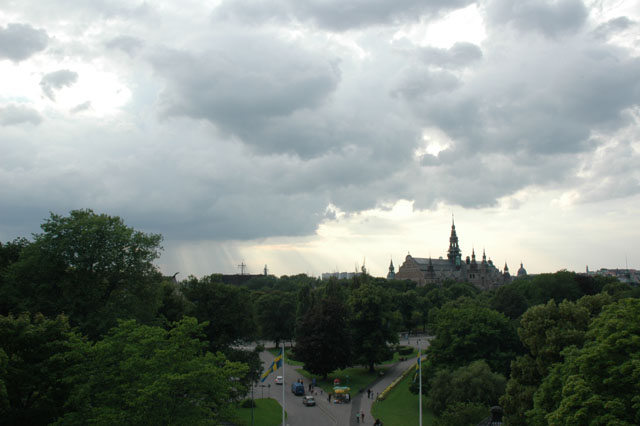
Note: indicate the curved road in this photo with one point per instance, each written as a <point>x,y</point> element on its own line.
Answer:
<point>325,413</point>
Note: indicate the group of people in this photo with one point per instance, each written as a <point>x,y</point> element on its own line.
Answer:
<point>360,418</point>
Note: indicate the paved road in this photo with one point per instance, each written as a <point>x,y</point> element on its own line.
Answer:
<point>325,413</point>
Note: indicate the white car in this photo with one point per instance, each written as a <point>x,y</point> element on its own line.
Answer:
<point>279,380</point>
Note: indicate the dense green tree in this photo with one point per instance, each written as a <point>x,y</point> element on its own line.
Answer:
<point>372,324</point>
<point>509,301</point>
<point>617,289</point>
<point>471,383</point>
<point>324,337</point>
<point>143,375</point>
<point>407,305</point>
<point>91,267</point>
<point>468,332</point>
<point>457,290</point>
<point>598,383</point>
<point>462,414</point>
<point>595,303</point>
<point>545,330</point>
<point>522,385</point>
<point>36,354</point>
<point>304,301</point>
<point>173,305</point>
<point>275,315</point>
<point>9,254</point>
<point>226,309</point>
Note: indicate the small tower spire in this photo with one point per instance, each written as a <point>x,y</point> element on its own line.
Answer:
<point>392,271</point>
<point>454,247</point>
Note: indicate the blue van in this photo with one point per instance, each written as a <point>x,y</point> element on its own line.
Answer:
<point>297,388</point>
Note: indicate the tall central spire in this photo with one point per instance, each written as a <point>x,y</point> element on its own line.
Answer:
<point>454,248</point>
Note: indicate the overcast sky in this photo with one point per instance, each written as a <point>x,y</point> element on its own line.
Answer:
<point>318,135</point>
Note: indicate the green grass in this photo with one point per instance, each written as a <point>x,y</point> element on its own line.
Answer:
<point>359,378</point>
<point>267,412</point>
<point>396,357</point>
<point>400,408</point>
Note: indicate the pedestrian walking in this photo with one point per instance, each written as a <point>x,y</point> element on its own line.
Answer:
<point>362,416</point>
<point>357,417</point>
<point>368,393</point>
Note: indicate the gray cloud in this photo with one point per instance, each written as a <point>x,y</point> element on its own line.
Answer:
<point>246,85</point>
<point>81,107</point>
<point>13,114</point>
<point>20,41</point>
<point>459,55</point>
<point>127,44</point>
<point>548,17</point>
<point>615,26</point>
<point>57,80</point>
<point>336,15</point>
<point>261,127</point>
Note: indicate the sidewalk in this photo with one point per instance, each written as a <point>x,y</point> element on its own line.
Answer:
<point>361,402</point>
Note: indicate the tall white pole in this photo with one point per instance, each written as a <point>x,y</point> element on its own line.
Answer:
<point>420,382</point>
<point>283,386</point>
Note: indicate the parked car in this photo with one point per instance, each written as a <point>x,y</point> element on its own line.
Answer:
<point>308,401</point>
<point>279,380</point>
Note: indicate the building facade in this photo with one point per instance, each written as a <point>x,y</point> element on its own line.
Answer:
<point>481,273</point>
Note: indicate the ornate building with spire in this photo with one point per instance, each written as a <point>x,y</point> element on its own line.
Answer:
<point>483,274</point>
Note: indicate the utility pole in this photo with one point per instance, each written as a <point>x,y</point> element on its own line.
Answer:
<point>242,267</point>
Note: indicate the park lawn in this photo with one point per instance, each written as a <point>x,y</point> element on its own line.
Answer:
<point>358,378</point>
<point>287,355</point>
<point>400,408</point>
<point>267,412</point>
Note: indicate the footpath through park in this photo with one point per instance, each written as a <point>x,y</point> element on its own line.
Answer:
<point>361,402</point>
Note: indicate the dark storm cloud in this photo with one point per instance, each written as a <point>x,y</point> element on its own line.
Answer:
<point>20,41</point>
<point>246,85</point>
<point>336,15</point>
<point>548,17</point>
<point>57,80</point>
<point>17,114</point>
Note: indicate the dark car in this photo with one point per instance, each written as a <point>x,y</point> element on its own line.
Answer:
<point>308,401</point>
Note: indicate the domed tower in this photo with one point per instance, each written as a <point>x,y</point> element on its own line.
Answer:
<point>454,253</point>
<point>522,272</point>
<point>392,272</point>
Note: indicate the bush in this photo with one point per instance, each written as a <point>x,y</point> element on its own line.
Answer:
<point>405,350</point>
<point>463,414</point>
<point>472,383</point>
<point>248,403</point>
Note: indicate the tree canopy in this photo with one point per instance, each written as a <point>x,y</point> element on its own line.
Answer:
<point>92,267</point>
<point>598,383</point>
<point>141,375</point>
<point>36,356</point>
